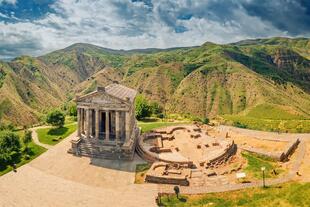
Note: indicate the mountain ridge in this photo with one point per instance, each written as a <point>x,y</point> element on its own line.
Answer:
<point>207,80</point>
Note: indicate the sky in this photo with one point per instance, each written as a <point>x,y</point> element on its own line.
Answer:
<point>36,27</point>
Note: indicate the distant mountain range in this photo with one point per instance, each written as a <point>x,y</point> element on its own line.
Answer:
<point>209,80</point>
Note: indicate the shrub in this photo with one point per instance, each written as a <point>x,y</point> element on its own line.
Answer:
<point>56,118</point>
<point>240,125</point>
<point>206,120</point>
<point>27,138</point>
<point>72,110</point>
<point>142,107</point>
<point>9,146</point>
<point>156,108</point>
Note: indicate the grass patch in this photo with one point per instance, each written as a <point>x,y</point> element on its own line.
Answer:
<point>53,135</point>
<point>273,112</point>
<point>293,126</point>
<point>141,170</point>
<point>25,157</point>
<point>255,162</point>
<point>288,195</point>
<point>147,126</point>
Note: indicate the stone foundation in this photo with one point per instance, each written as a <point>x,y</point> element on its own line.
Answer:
<point>281,156</point>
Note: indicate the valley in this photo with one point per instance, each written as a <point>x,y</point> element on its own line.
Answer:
<point>260,84</point>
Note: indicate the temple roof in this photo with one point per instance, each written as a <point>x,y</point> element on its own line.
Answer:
<point>115,90</point>
<point>121,92</point>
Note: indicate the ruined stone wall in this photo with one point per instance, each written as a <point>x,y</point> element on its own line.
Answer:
<point>277,156</point>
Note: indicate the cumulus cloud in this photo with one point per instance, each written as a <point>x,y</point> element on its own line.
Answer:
<point>130,24</point>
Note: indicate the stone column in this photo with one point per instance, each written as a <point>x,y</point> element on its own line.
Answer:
<point>97,124</point>
<point>79,122</point>
<point>90,122</point>
<point>127,125</point>
<point>82,120</point>
<point>87,123</point>
<point>107,126</point>
<point>117,129</point>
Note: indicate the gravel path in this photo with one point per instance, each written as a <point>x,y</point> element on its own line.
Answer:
<point>35,137</point>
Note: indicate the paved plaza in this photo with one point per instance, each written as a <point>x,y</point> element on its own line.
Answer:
<point>57,178</point>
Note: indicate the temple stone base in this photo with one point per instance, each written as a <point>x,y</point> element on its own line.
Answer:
<point>99,149</point>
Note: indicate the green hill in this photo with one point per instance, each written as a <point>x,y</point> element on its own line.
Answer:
<point>261,80</point>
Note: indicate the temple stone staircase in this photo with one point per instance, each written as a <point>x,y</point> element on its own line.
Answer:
<point>87,148</point>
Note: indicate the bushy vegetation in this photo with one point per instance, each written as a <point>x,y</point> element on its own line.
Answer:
<point>10,147</point>
<point>144,108</point>
<point>56,118</point>
<point>16,149</point>
<point>27,138</point>
<point>290,194</point>
<point>70,109</point>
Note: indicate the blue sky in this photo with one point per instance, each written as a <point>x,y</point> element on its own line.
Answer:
<point>35,27</point>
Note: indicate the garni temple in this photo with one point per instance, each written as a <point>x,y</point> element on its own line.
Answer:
<point>107,127</point>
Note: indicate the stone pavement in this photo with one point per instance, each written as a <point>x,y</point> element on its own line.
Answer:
<point>58,179</point>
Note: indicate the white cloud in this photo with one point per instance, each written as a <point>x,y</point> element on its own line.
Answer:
<point>128,25</point>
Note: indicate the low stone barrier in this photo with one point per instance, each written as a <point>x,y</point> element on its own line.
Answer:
<point>281,156</point>
<point>178,177</point>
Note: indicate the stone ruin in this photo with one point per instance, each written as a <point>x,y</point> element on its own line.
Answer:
<point>176,152</point>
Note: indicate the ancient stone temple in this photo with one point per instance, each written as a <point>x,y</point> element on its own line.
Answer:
<point>107,127</point>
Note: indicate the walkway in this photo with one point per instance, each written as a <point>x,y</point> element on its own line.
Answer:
<point>58,179</point>
<point>35,137</point>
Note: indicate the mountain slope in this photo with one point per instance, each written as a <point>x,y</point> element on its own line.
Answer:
<point>234,79</point>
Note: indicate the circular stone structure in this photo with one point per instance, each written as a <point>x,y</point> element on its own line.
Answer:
<point>185,144</point>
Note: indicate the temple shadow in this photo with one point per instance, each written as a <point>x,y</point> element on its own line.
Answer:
<point>121,165</point>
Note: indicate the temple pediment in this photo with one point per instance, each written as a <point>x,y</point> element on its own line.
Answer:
<point>109,95</point>
<point>100,98</point>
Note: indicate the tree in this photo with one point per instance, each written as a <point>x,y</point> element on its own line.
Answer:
<point>56,118</point>
<point>156,109</point>
<point>27,138</point>
<point>142,107</point>
<point>9,146</point>
<point>72,110</point>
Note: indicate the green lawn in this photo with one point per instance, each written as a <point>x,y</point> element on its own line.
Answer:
<point>54,135</point>
<point>255,162</point>
<point>33,152</point>
<point>273,112</point>
<point>148,126</point>
<point>286,195</point>
<point>294,126</point>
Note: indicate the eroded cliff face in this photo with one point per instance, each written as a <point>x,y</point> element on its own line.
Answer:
<point>285,58</point>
